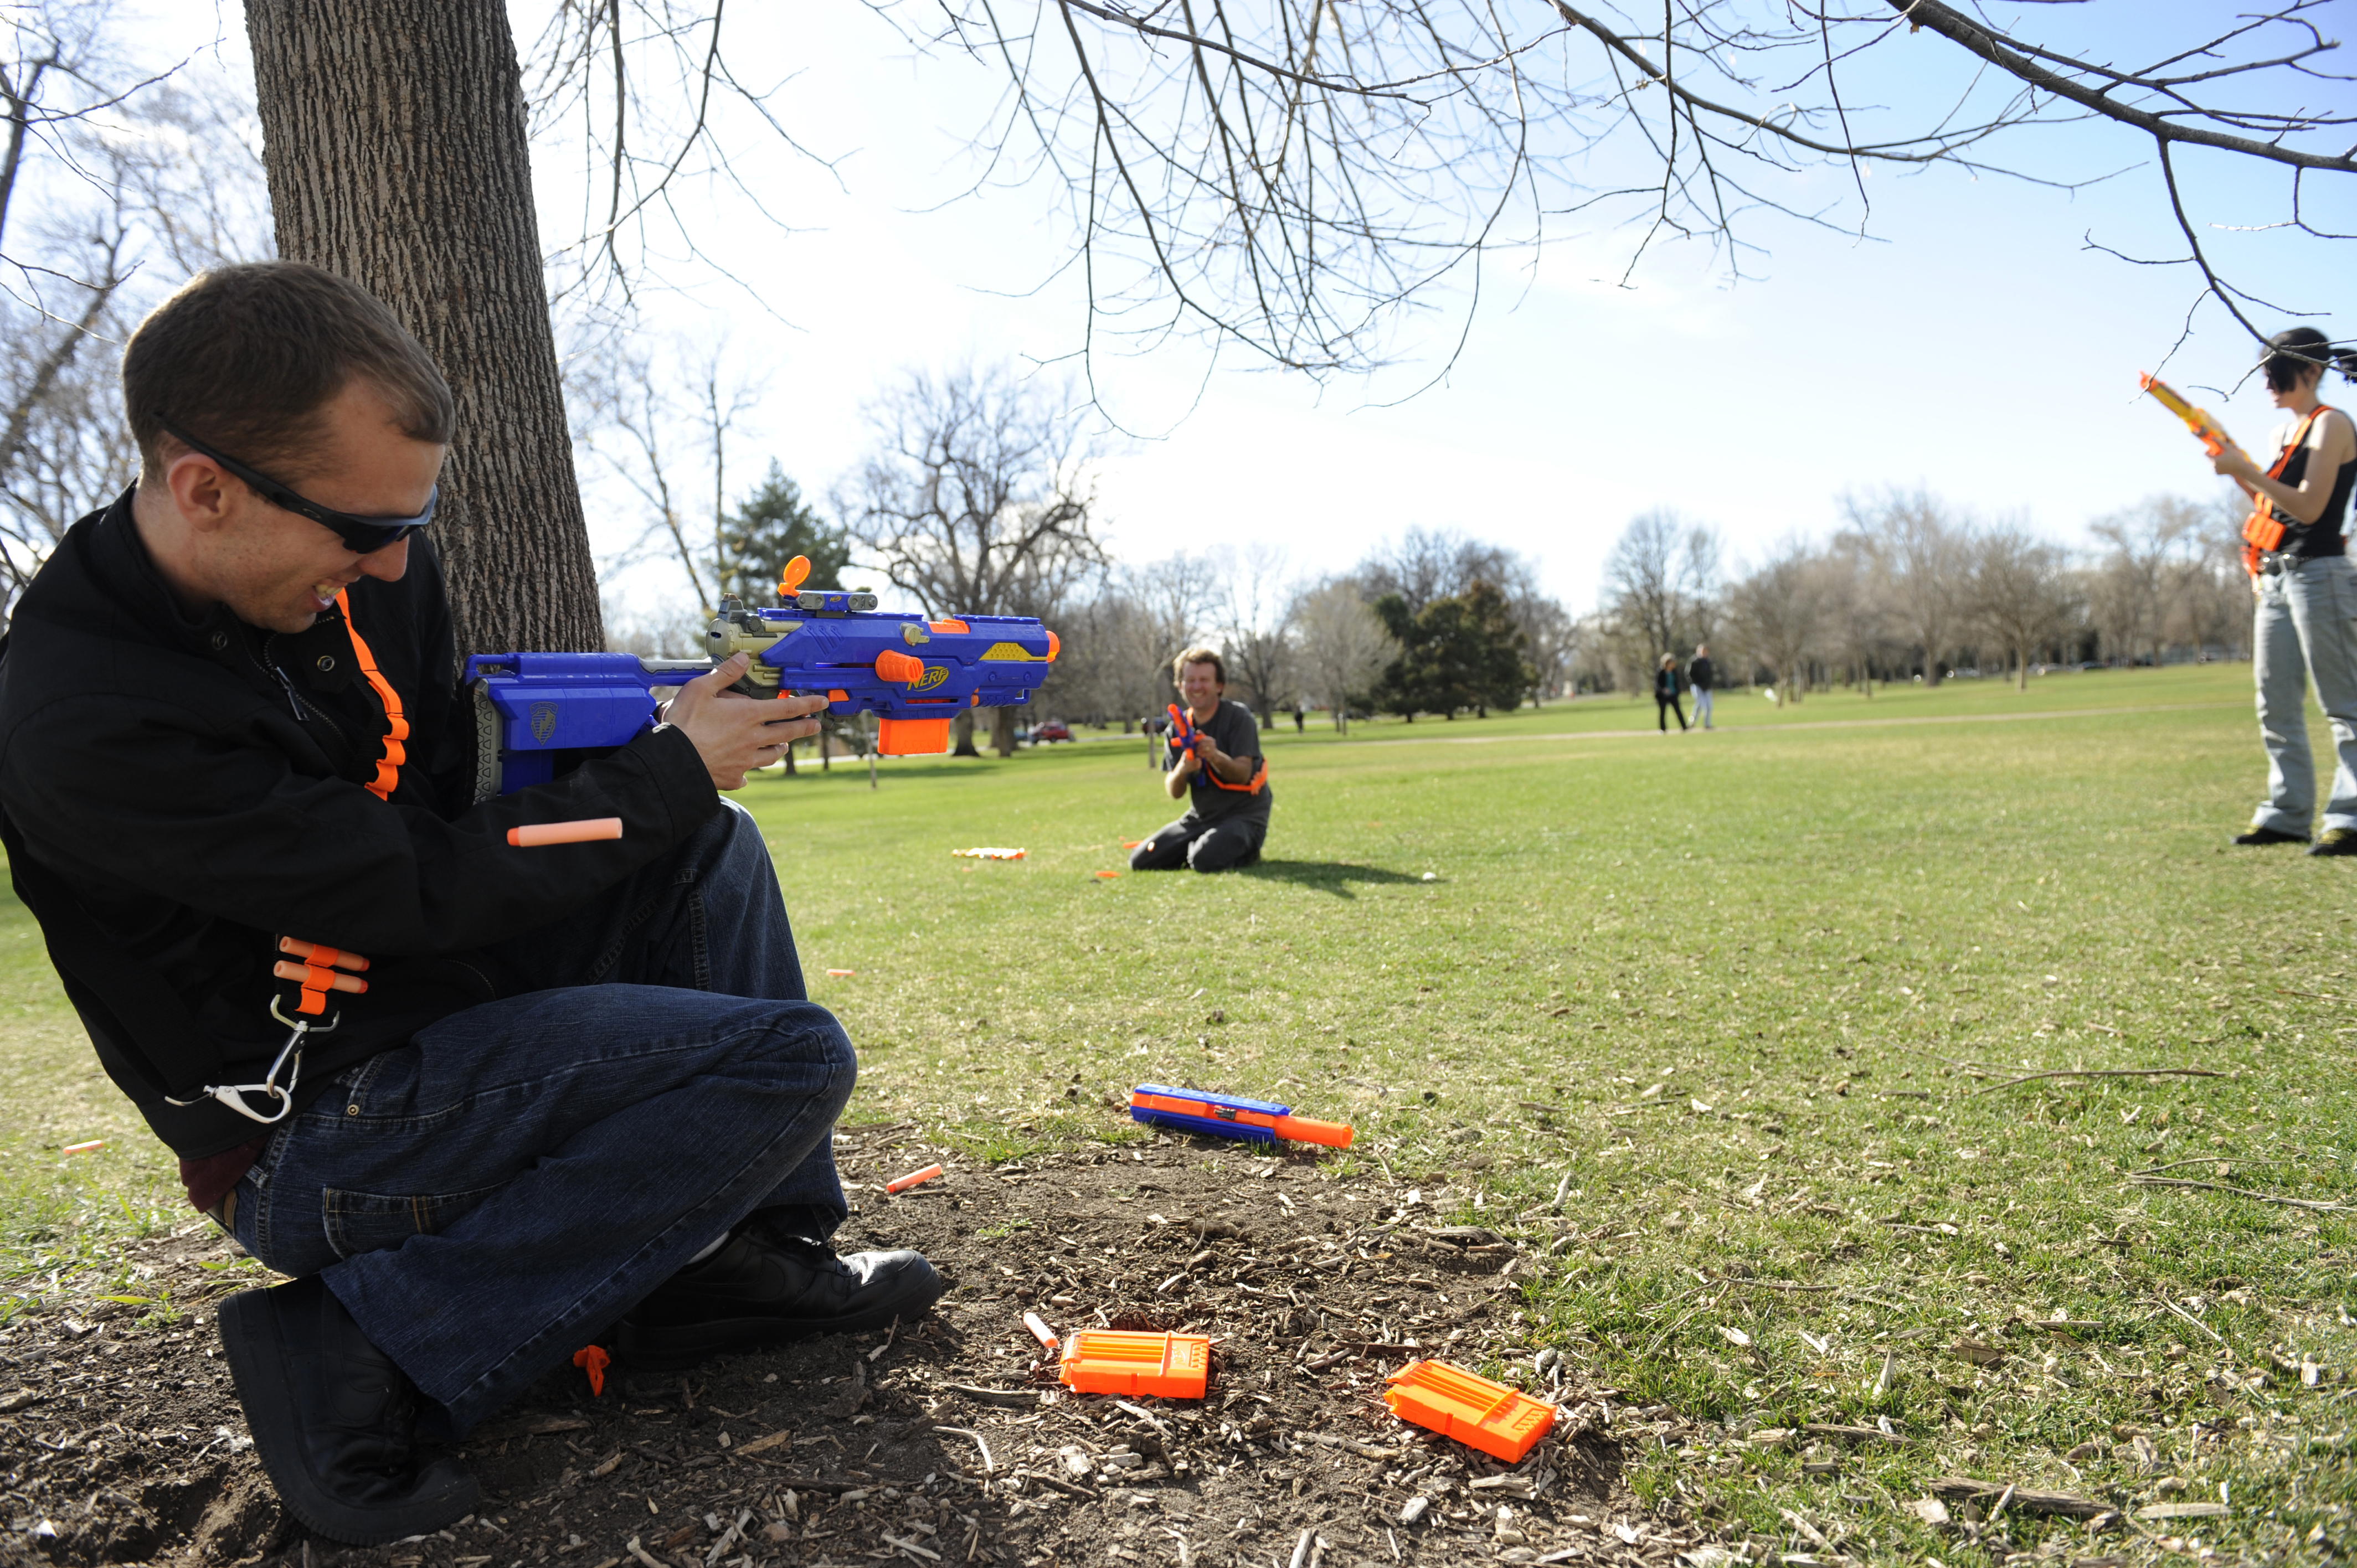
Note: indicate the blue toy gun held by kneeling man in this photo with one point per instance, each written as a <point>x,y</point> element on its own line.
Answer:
<point>538,713</point>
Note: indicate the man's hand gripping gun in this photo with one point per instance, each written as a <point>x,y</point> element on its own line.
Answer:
<point>1185,737</point>
<point>537,710</point>
<point>1224,1116</point>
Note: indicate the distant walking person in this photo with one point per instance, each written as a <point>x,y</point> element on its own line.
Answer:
<point>1667,683</point>
<point>2306,625</point>
<point>1702,677</point>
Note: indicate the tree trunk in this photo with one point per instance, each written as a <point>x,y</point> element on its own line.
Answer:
<point>392,134</point>
<point>962,731</point>
<point>1002,731</point>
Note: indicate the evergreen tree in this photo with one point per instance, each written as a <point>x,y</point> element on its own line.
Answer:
<point>774,525</point>
<point>1460,653</point>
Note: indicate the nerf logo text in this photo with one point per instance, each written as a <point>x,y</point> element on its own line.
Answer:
<point>933,676</point>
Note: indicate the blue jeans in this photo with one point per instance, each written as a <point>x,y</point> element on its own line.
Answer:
<point>1702,707</point>
<point>491,1196</point>
<point>2306,628</point>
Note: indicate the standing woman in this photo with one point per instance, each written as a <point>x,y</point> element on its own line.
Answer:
<point>2305,627</point>
<point>1667,683</point>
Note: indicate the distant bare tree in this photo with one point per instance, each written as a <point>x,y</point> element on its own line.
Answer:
<point>1778,610</point>
<point>1927,559</point>
<point>978,496</point>
<point>1255,625</point>
<point>659,423</point>
<point>1857,616</point>
<point>2021,594</point>
<point>1343,648</point>
<point>2208,602</point>
<point>135,182</point>
<point>1658,585</point>
<point>2129,586</point>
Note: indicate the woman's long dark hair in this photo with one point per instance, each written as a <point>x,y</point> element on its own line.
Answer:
<point>2299,349</point>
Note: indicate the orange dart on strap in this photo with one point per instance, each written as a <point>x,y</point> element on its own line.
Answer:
<point>585,831</point>
<point>321,970</point>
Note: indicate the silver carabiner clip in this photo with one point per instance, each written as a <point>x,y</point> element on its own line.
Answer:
<point>234,1094</point>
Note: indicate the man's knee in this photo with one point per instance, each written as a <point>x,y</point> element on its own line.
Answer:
<point>1165,851</point>
<point>1222,852</point>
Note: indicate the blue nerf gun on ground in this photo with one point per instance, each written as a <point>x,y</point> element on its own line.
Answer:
<point>1225,1116</point>
<point>538,710</point>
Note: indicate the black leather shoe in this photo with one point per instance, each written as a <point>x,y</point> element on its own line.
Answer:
<point>763,1289</point>
<point>2336,841</point>
<point>2269,835</point>
<point>332,1419</point>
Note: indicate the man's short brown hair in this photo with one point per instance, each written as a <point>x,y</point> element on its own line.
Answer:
<point>1198,656</point>
<point>246,359</point>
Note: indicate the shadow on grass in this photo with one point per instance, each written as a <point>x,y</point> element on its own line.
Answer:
<point>1333,876</point>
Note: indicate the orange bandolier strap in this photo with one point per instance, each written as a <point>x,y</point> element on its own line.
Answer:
<point>2263,531</point>
<point>396,733</point>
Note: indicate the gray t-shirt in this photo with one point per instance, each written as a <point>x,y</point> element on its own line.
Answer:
<point>1232,729</point>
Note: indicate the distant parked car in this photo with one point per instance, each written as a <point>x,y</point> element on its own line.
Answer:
<point>1054,729</point>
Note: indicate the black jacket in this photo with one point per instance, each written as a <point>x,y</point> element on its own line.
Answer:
<point>1700,675</point>
<point>1666,686</point>
<point>177,794</point>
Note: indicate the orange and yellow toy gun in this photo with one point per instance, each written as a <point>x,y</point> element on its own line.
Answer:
<point>1224,1116</point>
<point>2206,429</point>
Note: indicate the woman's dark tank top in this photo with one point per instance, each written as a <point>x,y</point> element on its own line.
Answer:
<point>2324,536</point>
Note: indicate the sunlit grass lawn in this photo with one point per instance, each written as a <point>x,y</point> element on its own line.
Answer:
<point>1748,1000</point>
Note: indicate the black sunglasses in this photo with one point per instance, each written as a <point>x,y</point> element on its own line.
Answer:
<point>361,535</point>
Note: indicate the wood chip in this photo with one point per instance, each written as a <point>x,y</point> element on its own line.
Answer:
<point>995,1396</point>
<point>763,1444</point>
<point>1867,1434</point>
<point>2181,1510</point>
<point>2023,1501</point>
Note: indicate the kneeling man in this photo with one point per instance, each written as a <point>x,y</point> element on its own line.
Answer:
<point>566,1091</point>
<point>1221,776</point>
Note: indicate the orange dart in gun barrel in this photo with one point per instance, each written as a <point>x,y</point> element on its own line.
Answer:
<point>586,831</point>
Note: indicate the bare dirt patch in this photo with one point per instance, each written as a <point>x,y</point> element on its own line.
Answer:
<point>944,1443</point>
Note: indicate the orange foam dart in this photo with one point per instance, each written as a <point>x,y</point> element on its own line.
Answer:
<point>97,1144</point>
<point>912,1178</point>
<point>892,664</point>
<point>796,570</point>
<point>1108,875</point>
<point>1108,1361</point>
<point>843,973</point>
<point>1500,1422</point>
<point>322,980</point>
<point>1038,1328</point>
<point>321,955</point>
<point>321,970</point>
<point>587,830</point>
<point>593,1360</point>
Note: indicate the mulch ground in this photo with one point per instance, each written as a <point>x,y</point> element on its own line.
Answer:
<point>946,1442</point>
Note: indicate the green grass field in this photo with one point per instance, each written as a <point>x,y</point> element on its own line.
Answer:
<point>1723,1026</point>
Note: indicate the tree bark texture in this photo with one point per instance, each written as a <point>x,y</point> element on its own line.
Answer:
<point>393,140</point>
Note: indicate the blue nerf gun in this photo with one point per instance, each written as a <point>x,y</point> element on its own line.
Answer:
<point>538,710</point>
<point>1224,1116</point>
<point>1184,736</point>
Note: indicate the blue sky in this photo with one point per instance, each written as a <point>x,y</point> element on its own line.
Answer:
<point>1973,346</point>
